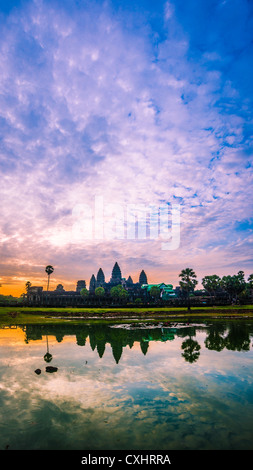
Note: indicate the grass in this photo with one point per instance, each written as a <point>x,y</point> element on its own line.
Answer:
<point>32,315</point>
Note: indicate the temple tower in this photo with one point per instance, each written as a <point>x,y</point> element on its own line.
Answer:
<point>100,278</point>
<point>92,284</point>
<point>80,285</point>
<point>116,274</point>
<point>143,278</point>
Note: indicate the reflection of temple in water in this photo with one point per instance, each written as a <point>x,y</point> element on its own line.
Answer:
<point>101,335</point>
<point>218,336</point>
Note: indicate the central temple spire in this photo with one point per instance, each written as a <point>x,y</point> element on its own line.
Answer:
<point>116,274</point>
<point>143,278</point>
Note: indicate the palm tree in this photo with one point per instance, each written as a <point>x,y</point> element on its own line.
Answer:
<point>48,357</point>
<point>49,270</point>
<point>191,350</point>
<point>188,283</point>
<point>28,285</point>
<point>250,281</point>
<point>211,283</point>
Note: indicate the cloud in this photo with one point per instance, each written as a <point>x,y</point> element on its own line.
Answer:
<point>91,105</point>
<point>157,400</point>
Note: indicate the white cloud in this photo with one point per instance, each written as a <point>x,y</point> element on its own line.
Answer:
<point>87,110</point>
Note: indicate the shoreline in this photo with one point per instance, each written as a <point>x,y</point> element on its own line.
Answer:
<point>29,315</point>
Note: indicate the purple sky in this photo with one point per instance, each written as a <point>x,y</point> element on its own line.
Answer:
<point>139,103</point>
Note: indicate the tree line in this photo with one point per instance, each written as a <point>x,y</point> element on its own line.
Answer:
<point>218,336</point>
<point>234,288</point>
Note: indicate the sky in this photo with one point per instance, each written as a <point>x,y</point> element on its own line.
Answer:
<point>129,103</point>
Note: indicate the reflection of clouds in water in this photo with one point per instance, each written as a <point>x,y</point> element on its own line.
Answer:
<point>156,401</point>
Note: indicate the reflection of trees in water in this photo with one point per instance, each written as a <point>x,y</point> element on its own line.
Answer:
<point>232,336</point>
<point>48,357</point>
<point>220,335</point>
<point>215,337</point>
<point>191,350</point>
<point>238,338</point>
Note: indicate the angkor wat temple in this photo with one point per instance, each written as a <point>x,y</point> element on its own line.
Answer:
<point>115,280</point>
<point>100,336</point>
<point>37,296</point>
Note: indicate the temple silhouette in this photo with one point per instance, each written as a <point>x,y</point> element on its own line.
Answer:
<point>37,296</point>
<point>219,336</point>
<point>100,336</point>
<point>117,279</point>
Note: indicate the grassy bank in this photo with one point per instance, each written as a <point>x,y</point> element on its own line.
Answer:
<point>25,315</point>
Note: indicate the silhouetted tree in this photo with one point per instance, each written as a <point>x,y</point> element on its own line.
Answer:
<point>28,285</point>
<point>234,285</point>
<point>49,270</point>
<point>99,291</point>
<point>238,338</point>
<point>191,350</point>
<point>211,283</point>
<point>250,281</point>
<point>84,293</point>
<point>154,292</point>
<point>188,283</point>
<point>214,339</point>
<point>119,293</point>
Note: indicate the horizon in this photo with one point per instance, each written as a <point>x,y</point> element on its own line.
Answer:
<point>70,285</point>
<point>137,103</point>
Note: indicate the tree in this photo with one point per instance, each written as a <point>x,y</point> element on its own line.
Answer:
<point>188,283</point>
<point>119,293</point>
<point>49,270</point>
<point>99,292</point>
<point>240,283</point>
<point>248,293</point>
<point>228,285</point>
<point>84,293</point>
<point>154,292</point>
<point>28,285</point>
<point>234,285</point>
<point>211,283</point>
<point>250,281</point>
<point>60,288</point>
<point>123,294</point>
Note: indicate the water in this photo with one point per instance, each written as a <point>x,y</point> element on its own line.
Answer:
<point>126,387</point>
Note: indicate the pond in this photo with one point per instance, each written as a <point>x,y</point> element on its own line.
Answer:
<point>127,386</point>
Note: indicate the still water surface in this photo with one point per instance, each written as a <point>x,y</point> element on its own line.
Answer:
<point>160,387</point>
